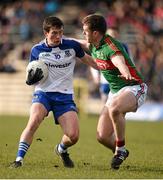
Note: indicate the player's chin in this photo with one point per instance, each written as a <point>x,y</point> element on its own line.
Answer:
<point>56,43</point>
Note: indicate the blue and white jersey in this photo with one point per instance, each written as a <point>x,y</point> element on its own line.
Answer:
<point>61,61</point>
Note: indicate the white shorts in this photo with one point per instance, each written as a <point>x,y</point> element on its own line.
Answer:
<point>140,92</point>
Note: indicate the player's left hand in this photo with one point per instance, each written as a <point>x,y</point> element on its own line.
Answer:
<point>128,77</point>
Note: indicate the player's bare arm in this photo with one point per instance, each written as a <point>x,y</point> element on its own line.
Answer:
<point>87,59</point>
<point>119,62</point>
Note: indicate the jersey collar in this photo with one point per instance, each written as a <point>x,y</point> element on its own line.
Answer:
<point>102,41</point>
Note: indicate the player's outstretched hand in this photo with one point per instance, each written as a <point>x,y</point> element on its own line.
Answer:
<point>34,77</point>
<point>128,78</point>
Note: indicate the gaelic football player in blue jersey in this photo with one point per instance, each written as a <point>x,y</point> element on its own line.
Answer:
<point>56,92</point>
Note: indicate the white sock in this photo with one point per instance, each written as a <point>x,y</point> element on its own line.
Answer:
<point>61,150</point>
<point>122,148</point>
<point>19,158</point>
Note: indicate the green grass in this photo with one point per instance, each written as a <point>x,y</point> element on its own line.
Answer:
<point>143,139</point>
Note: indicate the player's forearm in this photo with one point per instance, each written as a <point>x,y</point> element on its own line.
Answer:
<point>119,62</point>
<point>124,71</point>
<point>89,61</point>
<point>95,75</point>
<point>94,65</point>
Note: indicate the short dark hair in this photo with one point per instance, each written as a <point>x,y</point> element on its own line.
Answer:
<point>52,21</point>
<point>95,23</point>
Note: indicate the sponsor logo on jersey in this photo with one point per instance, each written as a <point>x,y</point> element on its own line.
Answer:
<point>67,53</point>
<point>105,64</point>
<point>58,65</point>
<point>57,55</point>
<point>100,55</point>
<point>45,55</point>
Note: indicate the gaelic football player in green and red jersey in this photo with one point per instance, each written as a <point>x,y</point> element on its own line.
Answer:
<point>127,88</point>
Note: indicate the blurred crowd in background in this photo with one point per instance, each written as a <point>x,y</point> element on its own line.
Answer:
<point>140,24</point>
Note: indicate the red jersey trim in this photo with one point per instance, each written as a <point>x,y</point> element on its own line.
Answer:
<point>111,44</point>
<point>134,73</point>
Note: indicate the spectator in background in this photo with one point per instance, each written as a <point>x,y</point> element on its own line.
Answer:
<point>24,30</point>
<point>51,6</point>
<point>5,47</point>
<point>100,82</point>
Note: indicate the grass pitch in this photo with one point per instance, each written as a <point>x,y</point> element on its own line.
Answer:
<point>92,160</point>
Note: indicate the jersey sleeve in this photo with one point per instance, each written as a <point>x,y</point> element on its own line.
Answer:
<point>78,49</point>
<point>114,51</point>
<point>114,47</point>
<point>33,54</point>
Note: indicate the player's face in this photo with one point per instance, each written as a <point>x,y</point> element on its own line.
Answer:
<point>54,36</point>
<point>88,34</point>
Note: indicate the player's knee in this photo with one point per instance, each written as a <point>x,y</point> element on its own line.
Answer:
<point>74,136</point>
<point>100,137</point>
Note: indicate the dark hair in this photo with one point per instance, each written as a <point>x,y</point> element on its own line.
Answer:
<point>96,23</point>
<point>50,22</point>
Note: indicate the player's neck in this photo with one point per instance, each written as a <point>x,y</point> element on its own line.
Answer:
<point>97,42</point>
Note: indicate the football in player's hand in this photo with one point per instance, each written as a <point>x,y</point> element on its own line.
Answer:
<point>36,72</point>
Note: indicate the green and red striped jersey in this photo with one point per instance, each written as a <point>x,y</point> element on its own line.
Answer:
<point>108,48</point>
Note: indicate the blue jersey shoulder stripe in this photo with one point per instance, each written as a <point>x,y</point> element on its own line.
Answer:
<point>67,43</point>
<point>37,49</point>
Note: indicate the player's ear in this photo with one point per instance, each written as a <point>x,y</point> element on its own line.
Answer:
<point>45,33</point>
<point>95,33</point>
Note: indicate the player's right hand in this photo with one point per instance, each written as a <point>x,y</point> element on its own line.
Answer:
<point>34,77</point>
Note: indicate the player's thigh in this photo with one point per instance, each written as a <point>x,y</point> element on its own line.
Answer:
<point>69,123</point>
<point>37,113</point>
<point>105,126</point>
<point>125,102</point>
